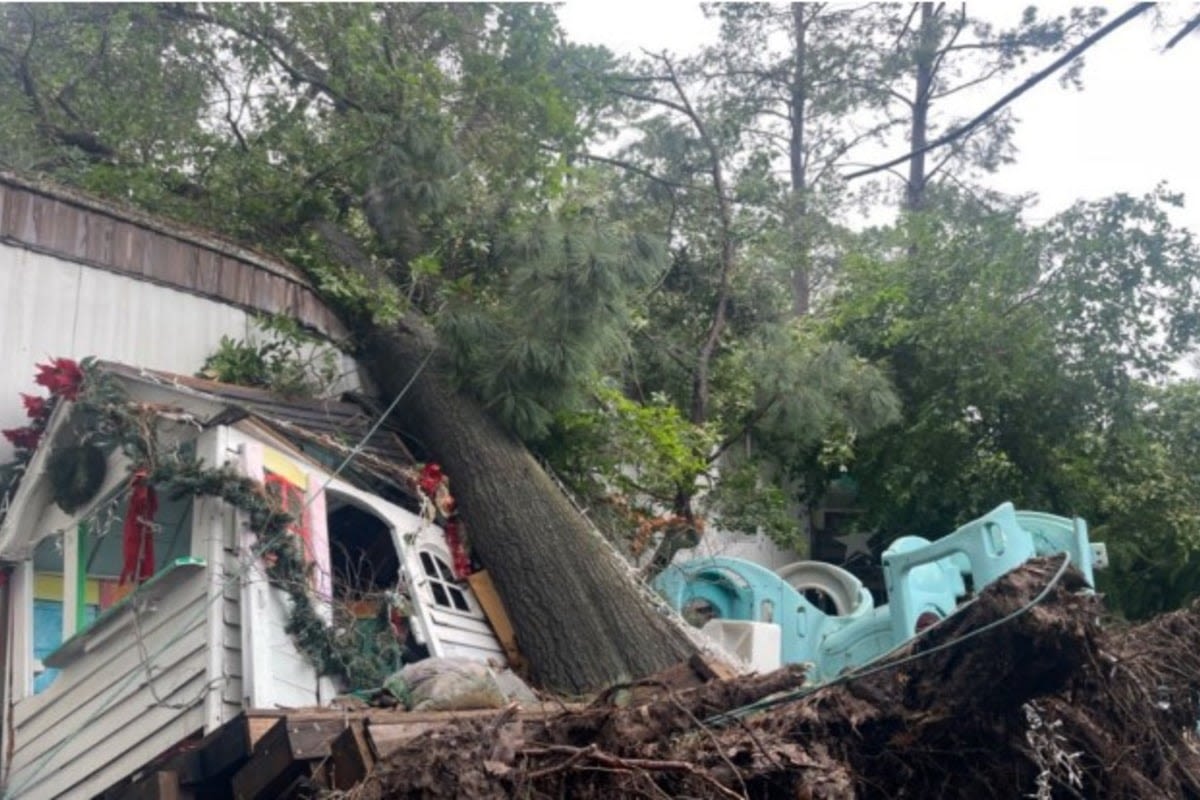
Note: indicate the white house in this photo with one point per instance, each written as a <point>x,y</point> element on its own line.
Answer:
<point>97,680</point>
<point>103,679</point>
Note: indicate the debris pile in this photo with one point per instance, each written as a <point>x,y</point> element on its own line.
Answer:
<point>1021,693</point>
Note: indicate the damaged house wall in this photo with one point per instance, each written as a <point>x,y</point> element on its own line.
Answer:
<point>84,277</point>
<point>100,687</point>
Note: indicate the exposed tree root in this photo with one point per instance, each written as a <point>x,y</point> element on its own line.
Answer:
<point>1045,704</point>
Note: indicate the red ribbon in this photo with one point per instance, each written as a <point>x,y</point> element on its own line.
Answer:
<point>137,536</point>
<point>431,481</point>
<point>458,550</point>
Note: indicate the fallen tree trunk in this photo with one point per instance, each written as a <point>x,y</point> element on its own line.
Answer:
<point>1017,695</point>
<point>580,618</point>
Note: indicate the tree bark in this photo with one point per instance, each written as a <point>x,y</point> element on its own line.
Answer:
<point>801,273</point>
<point>914,190</point>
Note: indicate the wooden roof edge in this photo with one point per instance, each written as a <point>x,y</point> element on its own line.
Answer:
<point>124,212</point>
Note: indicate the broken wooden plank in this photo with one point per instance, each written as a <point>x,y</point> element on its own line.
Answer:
<point>257,726</point>
<point>264,718</point>
<point>270,769</point>
<point>350,757</point>
<point>493,608</point>
<point>389,733</point>
<point>387,738</point>
<point>684,676</point>
<point>218,755</point>
<point>282,754</point>
<point>711,669</point>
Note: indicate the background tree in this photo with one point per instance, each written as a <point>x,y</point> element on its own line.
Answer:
<point>1029,361</point>
<point>803,83</point>
<point>684,319</point>
<point>1142,487</point>
<point>718,338</point>
<point>934,53</point>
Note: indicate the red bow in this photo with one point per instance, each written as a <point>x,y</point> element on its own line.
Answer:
<point>137,536</point>
<point>430,479</point>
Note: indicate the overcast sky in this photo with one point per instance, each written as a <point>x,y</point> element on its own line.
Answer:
<point>1136,122</point>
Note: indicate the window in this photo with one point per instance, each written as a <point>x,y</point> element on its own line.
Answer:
<point>96,562</point>
<point>102,550</point>
<point>445,590</point>
<point>291,501</point>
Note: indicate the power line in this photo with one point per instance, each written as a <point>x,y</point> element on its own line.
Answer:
<point>799,694</point>
<point>1188,28</point>
<point>1025,86</point>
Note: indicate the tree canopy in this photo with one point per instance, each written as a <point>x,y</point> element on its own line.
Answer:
<point>649,270</point>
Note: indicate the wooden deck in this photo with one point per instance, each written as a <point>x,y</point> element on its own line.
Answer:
<point>287,755</point>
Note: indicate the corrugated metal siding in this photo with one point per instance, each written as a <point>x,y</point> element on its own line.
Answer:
<point>55,308</point>
<point>100,720</point>
<point>51,307</point>
<point>78,228</point>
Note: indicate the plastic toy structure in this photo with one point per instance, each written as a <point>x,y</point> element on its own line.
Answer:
<point>768,620</point>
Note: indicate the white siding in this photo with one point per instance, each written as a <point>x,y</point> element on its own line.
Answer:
<point>281,676</point>
<point>102,718</point>
<point>232,688</point>
<point>52,308</point>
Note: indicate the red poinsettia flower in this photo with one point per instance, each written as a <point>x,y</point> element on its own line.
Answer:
<point>36,408</point>
<point>430,479</point>
<point>26,438</point>
<point>61,376</point>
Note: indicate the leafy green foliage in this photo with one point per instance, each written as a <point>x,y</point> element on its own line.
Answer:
<point>808,391</point>
<point>1022,358</point>
<point>647,450</point>
<point>1141,484</point>
<point>563,316</point>
<point>748,499</point>
<point>1125,280</point>
<point>286,360</point>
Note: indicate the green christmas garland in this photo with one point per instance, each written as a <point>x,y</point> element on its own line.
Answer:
<point>359,658</point>
<point>348,652</point>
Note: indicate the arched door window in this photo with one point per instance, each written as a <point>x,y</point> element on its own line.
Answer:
<point>445,591</point>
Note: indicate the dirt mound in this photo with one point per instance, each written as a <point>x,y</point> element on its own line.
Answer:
<point>1022,693</point>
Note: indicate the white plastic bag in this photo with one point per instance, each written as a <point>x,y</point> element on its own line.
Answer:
<point>447,684</point>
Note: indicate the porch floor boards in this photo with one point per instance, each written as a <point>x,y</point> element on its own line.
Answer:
<point>269,754</point>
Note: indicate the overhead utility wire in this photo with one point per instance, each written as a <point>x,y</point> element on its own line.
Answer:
<point>799,694</point>
<point>1028,84</point>
<point>1188,28</point>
